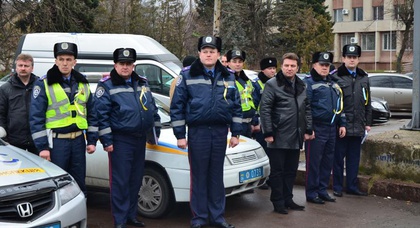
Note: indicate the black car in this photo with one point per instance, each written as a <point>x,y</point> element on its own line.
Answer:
<point>380,110</point>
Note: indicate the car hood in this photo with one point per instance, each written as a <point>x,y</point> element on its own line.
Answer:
<point>18,166</point>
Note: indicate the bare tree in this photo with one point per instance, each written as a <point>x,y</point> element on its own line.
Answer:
<point>404,13</point>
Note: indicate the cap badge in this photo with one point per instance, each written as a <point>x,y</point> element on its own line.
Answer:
<point>326,56</point>
<point>238,53</point>
<point>208,39</point>
<point>126,53</point>
<point>64,46</point>
<point>352,48</point>
<point>269,61</point>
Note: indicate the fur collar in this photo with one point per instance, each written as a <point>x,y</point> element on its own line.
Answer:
<point>316,77</point>
<point>242,76</point>
<point>263,77</point>
<point>116,79</point>
<point>282,81</point>
<point>342,71</point>
<point>197,69</point>
<point>55,76</point>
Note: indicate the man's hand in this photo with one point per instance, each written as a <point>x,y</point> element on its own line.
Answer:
<point>182,143</point>
<point>234,141</point>
<point>45,154</point>
<point>308,137</point>
<point>342,132</point>
<point>255,128</point>
<point>269,139</point>
<point>90,149</point>
<point>109,148</point>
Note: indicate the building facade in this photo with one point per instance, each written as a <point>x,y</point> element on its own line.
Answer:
<point>373,25</point>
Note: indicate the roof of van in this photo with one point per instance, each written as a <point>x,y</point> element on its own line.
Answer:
<point>94,45</point>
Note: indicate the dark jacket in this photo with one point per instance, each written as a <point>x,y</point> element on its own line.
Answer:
<point>357,99</point>
<point>120,110</point>
<point>325,97</point>
<point>39,105</point>
<point>15,99</point>
<point>285,112</point>
<point>202,100</point>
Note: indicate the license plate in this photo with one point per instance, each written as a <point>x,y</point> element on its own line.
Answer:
<point>52,225</point>
<point>250,175</point>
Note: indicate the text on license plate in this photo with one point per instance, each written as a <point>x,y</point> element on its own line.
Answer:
<point>251,174</point>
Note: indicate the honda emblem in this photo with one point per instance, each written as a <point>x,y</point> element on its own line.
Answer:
<point>25,209</point>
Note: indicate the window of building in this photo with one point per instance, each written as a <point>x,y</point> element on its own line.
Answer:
<point>358,14</point>
<point>389,41</point>
<point>346,39</point>
<point>368,41</point>
<point>378,13</point>
<point>338,15</point>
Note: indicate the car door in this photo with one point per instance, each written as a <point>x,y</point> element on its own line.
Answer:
<point>403,91</point>
<point>381,86</point>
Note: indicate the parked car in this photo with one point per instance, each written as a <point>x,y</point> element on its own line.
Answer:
<point>380,110</point>
<point>396,89</point>
<point>36,193</point>
<point>167,178</point>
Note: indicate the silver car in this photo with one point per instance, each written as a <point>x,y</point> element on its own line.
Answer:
<point>36,193</point>
<point>396,89</point>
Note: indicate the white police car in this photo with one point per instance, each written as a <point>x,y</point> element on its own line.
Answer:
<point>167,178</point>
<point>36,193</point>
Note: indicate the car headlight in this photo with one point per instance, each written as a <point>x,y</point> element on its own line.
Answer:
<point>377,105</point>
<point>260,153</point>
<point>67,189</point>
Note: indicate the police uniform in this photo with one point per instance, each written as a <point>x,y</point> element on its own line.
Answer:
<point>326,101</point>
<point>61,111</point>
<point>126,114</point>
<point>208,116</point>
<point>356,90</point>
<point>247,94</point>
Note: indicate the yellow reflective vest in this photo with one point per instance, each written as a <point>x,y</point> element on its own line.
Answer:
<point>246,95</point>
<point>59,111</point>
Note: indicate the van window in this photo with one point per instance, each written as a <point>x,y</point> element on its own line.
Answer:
<point>158,78</point>
<point>93,68</point>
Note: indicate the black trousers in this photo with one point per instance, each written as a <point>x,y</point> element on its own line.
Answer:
<point>283,166</point>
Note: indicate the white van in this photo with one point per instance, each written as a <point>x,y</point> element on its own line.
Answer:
<point>95,51</point>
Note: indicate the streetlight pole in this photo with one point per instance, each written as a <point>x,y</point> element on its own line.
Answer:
<point>216,18</point>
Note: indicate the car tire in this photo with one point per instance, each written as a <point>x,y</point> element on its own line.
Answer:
<point>156,197</point>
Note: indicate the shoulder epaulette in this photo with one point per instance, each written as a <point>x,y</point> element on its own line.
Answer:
<point>43,77</point>
<point>186,68</point>
<point>143,77</point>
<point>231,71</point>
<point>105,79</point>
<point>333,71</point>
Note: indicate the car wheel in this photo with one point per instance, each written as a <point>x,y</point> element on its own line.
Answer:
<point>155,196</point>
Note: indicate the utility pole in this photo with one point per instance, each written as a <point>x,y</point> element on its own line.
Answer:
<point>414,123</point>
<point>216,18</point>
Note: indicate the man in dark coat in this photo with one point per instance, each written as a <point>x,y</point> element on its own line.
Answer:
<point>286,122</point>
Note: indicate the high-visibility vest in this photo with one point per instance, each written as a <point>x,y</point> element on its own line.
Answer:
<point>246,95</point>
<point>261,85</point>
<point>59,111</point>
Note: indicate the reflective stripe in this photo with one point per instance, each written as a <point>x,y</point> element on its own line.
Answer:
<point>93,129</point>
<point>67,90</point>
<point>229,83</point>
<point>178,123</point>
<point>39,134</point>
<point>121,90</point>
<point>237,120</point>
<point>105,131</point>
<point>316,86</point>
<point>198,81</point>
<point>140,88</point>
<point>158,124</point>
<point>246,120</point>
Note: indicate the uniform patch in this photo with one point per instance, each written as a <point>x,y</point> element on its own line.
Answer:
<point>36,91</point>
<point>100,91</point>
<point>178,80</point>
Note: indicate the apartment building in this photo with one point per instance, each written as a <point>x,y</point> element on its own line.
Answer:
<point>371,24</point>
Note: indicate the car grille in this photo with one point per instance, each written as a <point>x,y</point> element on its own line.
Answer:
<point>42,201</point>
<point>242,157</point>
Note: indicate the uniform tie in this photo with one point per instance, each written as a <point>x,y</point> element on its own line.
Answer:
<point>353,74</point>
<point>210,73</point>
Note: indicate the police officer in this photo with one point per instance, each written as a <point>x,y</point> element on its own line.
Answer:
<point>126,114</point>
<point>206,100</point>
<point>15,98</point>
<point>61,111</point>
<point>355,85</point>
<point>268,68</point>
<point>248,94</point>
<point>326,101</point>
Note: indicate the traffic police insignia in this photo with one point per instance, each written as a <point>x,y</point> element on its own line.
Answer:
<point>352,48</point>
<point>179,80</point>
<point>64,46</point>
<point>238,53</point>
<point>100,91</point>
<point>36,92</point>
<point>208,39</point>
<point>326,56</point>
<point>126,53</point>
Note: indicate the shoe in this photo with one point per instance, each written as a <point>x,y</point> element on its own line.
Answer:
<point>281,210</point>
<point>294,206</point>
<point>135,222</point>
<point>338,194</point>
<point>327,198</point>
<point>316,200</point>
<point>196,226</point>
<point>357,193</point>
<point>223,225</point>
<point>120,226</point>
<point>264,186</point>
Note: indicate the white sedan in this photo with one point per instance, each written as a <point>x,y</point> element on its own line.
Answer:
<point>167,178</point>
